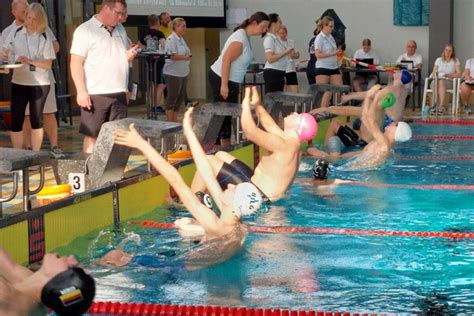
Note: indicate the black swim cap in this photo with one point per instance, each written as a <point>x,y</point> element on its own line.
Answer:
<point>69,293</point>
<point>320,169</point>
<point>205,199</point>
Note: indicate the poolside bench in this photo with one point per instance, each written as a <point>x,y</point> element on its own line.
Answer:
<point>12,161</point>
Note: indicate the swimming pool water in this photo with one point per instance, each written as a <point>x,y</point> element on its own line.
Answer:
<point>330,272</point>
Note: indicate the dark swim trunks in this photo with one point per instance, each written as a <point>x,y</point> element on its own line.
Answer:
<point>350,138</point>
<point>235,173</point>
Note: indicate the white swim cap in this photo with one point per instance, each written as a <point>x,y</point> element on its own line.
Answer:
<point>403,132</point>
<point>247,199</point>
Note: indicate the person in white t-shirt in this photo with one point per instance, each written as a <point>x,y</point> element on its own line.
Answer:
<point>468,85</point>
<point>291,79</point>
<point>176,68</point>
<point>97,49</point>
<point>50,108</point>
<point>411,55</point>
<point>371,78</point>
<point>228,71</point>
<point>30,46</point>
<point>447,67</point>
<point>325,50</point>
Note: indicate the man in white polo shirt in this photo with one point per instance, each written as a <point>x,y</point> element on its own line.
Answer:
<point>99,69</point>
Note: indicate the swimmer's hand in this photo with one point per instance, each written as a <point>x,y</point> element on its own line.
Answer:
<point>372,92</point>
<point>255,101</point>
<point>129,138</point>
<point>317,111</point>
<point>188,119</point>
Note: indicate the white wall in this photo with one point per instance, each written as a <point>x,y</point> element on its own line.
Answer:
<point>463,29</point>
<point>363,19</point>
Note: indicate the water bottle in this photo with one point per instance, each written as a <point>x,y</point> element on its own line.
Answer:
<point>150,44</point>
<point>425,110</point>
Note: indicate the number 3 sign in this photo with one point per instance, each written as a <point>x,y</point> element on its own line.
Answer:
<point>77,182</point>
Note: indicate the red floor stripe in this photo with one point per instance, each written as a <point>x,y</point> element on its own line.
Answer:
<point>465,137</point>
<point>412,186</point>
<point>437,157</point>
<point>331,231</point>
<point>118,308</point>
<point>446,122</point>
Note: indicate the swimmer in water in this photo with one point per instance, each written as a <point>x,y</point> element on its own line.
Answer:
<point>341,136</point>
<point>59,284</point>
<point>221,236</point>
<point>377,151</point>
<point>282,148</point>
<point>320,172</point>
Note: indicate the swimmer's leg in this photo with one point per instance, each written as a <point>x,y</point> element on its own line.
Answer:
<point>198,183</point>
<point>332,130</point>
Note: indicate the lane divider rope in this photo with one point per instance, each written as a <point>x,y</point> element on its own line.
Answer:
<point>462,137</point>
<point>330,231</point>
<point>117,308</point>
<point>436,157</point>
<point>445,122</point>
<point>411,186</point>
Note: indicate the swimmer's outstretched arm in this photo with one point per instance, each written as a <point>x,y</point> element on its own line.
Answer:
<point>10,270</point>
<point>201,213</point>
<point>271,141</point>
<point>203,165</point>
<point>369,115</point>
<point>252,99</point>
<point>340,110</point>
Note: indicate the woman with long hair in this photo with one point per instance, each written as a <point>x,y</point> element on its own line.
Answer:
<point>327,70</point>
<point>228,71</point>
<point>291,79</point>
<point>30,46</point>
<point>447,67</point>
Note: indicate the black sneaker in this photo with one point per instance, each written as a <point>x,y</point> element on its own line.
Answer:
<point>466,109</point>
<point>158,109</point>
<point>56,153</point>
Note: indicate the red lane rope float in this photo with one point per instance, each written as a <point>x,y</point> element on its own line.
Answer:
<point>331,231</point>
<point>463,137</point>
<point>412,186</point>
<point>117,308</point>
<point>445,122</point>
<point>437,157</point>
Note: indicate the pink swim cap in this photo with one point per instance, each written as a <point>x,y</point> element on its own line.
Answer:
<point>307,127</point>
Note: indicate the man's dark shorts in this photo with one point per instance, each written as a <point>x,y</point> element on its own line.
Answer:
<point>105,108</point>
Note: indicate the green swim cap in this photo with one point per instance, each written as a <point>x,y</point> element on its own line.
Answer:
<point>388,100</point>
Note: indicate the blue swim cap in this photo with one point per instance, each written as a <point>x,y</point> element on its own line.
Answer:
<point>405,76</point>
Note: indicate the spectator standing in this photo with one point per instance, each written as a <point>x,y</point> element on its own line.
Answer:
<point>49,113</point>
<point>165,19</point>
<point>152,41</point>
<point>311,66</point>
<point>29,44</point>
<point>291,79</point>
<point>97,48</point>
<point>176,68</point>
<point>228,71</point>
<point>326,51</point>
